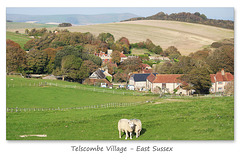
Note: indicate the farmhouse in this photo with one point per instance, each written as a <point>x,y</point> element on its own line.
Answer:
<point>98,74</point>
<point>139,80</point>
<point>220,80</point>
<point>123,57</point>
<point>98,78</point>
<point>105,57</point>
<point>167,82</point>
<point>146,68</point>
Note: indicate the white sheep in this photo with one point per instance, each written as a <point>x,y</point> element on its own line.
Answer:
<point>138,126</point>
<point>125,125</point>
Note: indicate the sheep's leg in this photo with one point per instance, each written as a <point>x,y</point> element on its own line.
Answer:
<point>130,135</point>
<point>126,134</point>
<point>138,133</point>
<point>120,134</point>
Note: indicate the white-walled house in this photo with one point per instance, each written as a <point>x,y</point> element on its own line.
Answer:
<point>139,80</point>
<point>220,80</point>
<point>167,82</point>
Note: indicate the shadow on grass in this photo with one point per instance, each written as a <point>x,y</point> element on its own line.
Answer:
<point>133,134</point>
<point>143,131</point>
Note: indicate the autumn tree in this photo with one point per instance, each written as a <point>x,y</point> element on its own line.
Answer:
<point>222,57</point>
<point>89,48</point>
<point>51,54</point>
<point>37,62</point>
<point>90,66</point>
<point>172,52</point>
<point>125,41</point>
<point>149,45</point>
<point>68,50</point>
<point>120,76</point>
<point>157,50</point>
<point>106,38</point>
<point>70,66</point>
<point>131,64</point>
<point>229,88</point>
<point>116,57</point>
<point>15,57</point>
<point>200,80</point>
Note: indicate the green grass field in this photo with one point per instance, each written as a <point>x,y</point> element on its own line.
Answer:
<point>15,26</point>
<point>26,93</point>
<point>21,39</point>
<point>210,118</point>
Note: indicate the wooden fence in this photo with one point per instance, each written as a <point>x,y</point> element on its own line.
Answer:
<point>100,90</point>
<point>108,105</point>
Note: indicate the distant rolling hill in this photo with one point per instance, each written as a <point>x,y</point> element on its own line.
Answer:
<point>187,37</point>
<point>188,17</point>
<point>75,19</point>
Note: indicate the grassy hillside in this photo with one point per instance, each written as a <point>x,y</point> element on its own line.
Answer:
<point>15,26</point>
<point>171,119</point>
<point>26,93</point>
<point>164,119</point>
<point>21,39</point>
<point>187,37</point>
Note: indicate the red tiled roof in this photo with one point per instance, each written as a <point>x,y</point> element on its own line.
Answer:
<point>147,71</point>
<point>227,77</point>
<point>166,78</point>
<point>151,77</point>
<point>122,55</point>
<point>145,65</point>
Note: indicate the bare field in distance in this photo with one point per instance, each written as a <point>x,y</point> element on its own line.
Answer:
<point>187,37</point>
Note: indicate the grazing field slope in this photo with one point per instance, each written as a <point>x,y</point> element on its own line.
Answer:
<point>187,37</point>
<point>21,39</point>
<point>171,119</point>
<point>38,93</point>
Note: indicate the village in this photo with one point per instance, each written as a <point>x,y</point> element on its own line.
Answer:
<point>145,80</point>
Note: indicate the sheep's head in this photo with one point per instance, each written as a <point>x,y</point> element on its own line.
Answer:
<point>131,124</point>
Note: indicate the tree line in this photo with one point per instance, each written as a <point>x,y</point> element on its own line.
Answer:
<point>72,55</point>
<point>198,66</point>
<point>188,17</point>
<point>68,54</point>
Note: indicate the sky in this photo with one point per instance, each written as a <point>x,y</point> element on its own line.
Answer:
<point>224,13</point>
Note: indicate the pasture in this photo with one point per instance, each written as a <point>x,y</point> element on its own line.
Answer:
<point>16,26</point>
<point>185,119</point>
<point>40,93</point>
<point>210,118</point>
<point>21,39</point>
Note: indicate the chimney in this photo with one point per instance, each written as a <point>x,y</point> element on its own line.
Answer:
<point>222,72</point>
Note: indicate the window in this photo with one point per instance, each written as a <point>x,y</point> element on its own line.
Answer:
<point>163,85</point>
<point>220,89</point>
<point>220,82</point>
